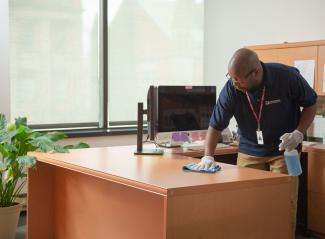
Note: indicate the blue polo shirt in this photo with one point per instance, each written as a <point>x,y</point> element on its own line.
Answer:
<point>285,92</point>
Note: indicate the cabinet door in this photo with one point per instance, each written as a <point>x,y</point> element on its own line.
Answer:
<point>316,212</point>
<point>316,169</point>
<point>288,56</point>
<point>320,88</point>
<point>316,191</point>
<point>270,55</point>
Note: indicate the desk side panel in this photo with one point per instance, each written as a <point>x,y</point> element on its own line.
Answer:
<point>252,213</point>
<point>90,207</point>
<point>40,201</point>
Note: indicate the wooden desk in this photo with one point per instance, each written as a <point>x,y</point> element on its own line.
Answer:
<point>316,189</point>
<point>110,193</point>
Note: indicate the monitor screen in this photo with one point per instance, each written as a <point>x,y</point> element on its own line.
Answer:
<point>185,108</point>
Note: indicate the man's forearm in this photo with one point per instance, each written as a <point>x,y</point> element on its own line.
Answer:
<point>307,117</point>
<point>211,141</point>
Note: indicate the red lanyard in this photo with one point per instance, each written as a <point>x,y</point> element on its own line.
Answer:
<point>258,118</point>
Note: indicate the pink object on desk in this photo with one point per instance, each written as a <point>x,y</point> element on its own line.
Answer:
<point>195,136</point>
<point>203,134</point>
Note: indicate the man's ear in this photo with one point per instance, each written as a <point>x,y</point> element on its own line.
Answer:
<point>256,72</point>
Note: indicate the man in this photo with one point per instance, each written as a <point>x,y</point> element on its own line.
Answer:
<point>265,99</point>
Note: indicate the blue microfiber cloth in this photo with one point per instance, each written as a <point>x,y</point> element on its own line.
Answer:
<point>189,167</point>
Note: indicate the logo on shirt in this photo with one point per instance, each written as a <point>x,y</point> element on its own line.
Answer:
<point>271,102</point>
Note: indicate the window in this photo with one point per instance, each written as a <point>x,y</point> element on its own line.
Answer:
<point>56,63</point>
<point>151,42</point>
<point>54,60</point>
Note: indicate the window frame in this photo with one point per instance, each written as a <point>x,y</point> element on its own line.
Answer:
<point>104,126</point>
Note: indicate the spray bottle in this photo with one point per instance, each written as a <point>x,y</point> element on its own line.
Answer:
<point>293,162</point>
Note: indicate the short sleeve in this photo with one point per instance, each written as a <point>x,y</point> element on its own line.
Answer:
<point>300,90</point>
<point>224,109</point>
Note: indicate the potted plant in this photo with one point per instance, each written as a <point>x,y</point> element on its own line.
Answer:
<point>16,140</point>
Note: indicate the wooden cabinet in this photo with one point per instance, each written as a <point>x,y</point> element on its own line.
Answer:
<point>288,53</point>
<point>288,56</point>
<point>268,55</point>
<point>316,215</point>
<point>316,189</point>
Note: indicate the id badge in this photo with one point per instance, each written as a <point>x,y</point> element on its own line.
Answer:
<point>259,135</point>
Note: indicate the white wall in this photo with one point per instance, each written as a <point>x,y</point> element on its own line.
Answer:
<point>231,24</point>
<point>4,59</point>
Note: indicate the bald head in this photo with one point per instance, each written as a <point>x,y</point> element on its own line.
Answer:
<point>245,69</point>
<point>243,60</point>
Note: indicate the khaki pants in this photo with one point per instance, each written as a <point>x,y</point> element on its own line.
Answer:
<point>275,164</point>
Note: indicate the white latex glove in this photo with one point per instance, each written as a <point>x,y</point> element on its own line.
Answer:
<point>291,140</point>
<point>206,163</point>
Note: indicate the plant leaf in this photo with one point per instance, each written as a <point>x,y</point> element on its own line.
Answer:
<point>10,147</point>
<point>35,134</point>
<point>4,136</point>
<point>22,175</point>
<point>60,149</point>
<point>21,121</point>
<point>2,166</point>
<point>26,160</point>
<point>3,121</point>
<point>23,132</point>
<point>80,145</point>
<point>56,136</point>
<point>43,143</point>
<point>8,161</point>
<point>3,151</point>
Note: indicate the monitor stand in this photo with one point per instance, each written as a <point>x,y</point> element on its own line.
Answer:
<point>170,144</point>
<point>140,150</point>
<point>149,152</point>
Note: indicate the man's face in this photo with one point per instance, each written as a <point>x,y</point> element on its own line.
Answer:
<point>244,80</point>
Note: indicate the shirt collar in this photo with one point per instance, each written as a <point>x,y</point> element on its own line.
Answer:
<point>266,75</point>
<point>265,82</point>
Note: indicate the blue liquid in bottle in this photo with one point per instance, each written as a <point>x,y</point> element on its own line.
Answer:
<point>293,162</point>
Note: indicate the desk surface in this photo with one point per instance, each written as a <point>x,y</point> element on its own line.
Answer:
<point>160,174</point>
<point>315,147</point>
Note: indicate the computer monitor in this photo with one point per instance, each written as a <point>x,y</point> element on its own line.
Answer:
<point>184,108</point>
<point>152,112</point>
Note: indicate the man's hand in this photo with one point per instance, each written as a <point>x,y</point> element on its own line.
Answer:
<point>291,140</point>
<point>205,164</point>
